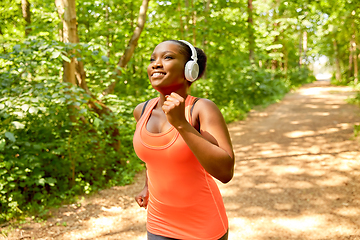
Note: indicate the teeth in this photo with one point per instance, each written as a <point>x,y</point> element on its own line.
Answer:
<point>157,74</point>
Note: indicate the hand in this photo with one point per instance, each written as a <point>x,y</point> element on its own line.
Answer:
<point>143,198</point>
<point>174,109</point>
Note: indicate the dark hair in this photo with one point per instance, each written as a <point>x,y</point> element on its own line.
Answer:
<point>186,50</point>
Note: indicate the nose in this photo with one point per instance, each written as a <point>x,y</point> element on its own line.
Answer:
<point>157,64</point>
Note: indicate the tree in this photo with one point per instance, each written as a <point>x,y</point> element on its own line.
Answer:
<point>251,31</point>
<point>25,6</point>
<point>131,46</point>
<point>67,13</point>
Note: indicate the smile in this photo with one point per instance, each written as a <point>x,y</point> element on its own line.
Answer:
<point>157,74</point>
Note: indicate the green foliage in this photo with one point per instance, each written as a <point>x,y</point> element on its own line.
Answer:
<point>46,158</point>
<point>236,93</point>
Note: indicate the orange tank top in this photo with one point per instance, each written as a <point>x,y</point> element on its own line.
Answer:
<point>184,200</point>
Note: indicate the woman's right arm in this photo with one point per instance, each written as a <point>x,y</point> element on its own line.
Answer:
<point>143,197</point>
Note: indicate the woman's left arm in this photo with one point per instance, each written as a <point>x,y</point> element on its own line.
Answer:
<point>212,146</point>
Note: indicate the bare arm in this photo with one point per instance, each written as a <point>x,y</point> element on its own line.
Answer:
<point>212,147</point>
<point>141,198</point>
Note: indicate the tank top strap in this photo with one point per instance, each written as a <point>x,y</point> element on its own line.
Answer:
<point>190,101</point>
<point>149,107</point>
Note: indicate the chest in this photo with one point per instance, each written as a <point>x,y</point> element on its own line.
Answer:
<point>157,122</point>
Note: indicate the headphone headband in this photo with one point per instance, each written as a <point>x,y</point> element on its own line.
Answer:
<point>193,50</point>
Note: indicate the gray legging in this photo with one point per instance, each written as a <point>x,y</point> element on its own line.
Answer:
<point>157,237</point>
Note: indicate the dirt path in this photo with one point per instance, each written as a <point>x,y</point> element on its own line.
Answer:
<point>297,177</point>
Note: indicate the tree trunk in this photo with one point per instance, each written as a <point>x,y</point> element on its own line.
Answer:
<point>274,62</point>
<point>107,32</point>
<point>67,13</point>
<point>353,49</point>
<point>350,59</point>
<point>180,20</point>
<point>300,48</point>
<point>355,64</point>
<point>286,61</point>
<point>337,61</point>
<point>131,46</point>
<point>251,32</point>
<point>206,30</point>
<point>206,21</point>
<point>186,25</point>
<point>25,7</point>
<point>193,22</point>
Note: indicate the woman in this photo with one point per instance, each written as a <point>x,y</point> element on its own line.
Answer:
<point>184,145</point>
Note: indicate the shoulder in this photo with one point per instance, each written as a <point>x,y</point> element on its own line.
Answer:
<point>205,111</point>
<point>204,106</point>
<point>139,109</point>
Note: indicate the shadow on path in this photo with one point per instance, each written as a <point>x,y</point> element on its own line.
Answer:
<point>297,176</point>
<point>297,170</point>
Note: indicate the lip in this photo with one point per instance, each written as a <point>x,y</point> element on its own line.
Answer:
<point>162,74</point>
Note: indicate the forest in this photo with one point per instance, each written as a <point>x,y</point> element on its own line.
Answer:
<point>71,73</point>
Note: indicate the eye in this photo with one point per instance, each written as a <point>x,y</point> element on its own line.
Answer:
<point>152,59</point>
<point>169,57</point>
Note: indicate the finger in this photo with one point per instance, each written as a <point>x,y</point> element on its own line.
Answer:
<point>173,101</point>
<point>167,106</point>
<point>139,202</point>
<point>166,109</point>
<point>177,96</point>
<point>145,202</point>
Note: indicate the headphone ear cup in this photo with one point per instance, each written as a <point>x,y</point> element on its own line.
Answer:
<point>191,71</point>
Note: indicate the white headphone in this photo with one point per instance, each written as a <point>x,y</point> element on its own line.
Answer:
<point>191,67</point>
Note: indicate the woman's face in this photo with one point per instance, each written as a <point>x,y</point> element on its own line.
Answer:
<point>166,68</point>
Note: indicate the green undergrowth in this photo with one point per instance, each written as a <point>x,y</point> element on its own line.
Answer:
<point>55,148</point>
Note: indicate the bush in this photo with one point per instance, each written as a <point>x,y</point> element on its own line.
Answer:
<point>45,158</point>
<point>237,93</point>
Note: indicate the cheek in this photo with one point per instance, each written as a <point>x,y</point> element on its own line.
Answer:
<point>174,67</point>
<point>149,70</point>
<point>180,69</point>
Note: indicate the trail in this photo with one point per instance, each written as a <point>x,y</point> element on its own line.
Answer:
<point>297,176</point>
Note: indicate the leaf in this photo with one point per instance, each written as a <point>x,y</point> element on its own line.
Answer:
<point>105,58</point>
<point>43,46</point>
<point>65,58</point>
<point>3,171</point>
<point>98,105</point>
<point>33,110</point>
<point>97,122</point>
<point>51,181</point>
<point>10,136</point>
<point>17,48</point>
<point>25,107</point>
<point>55,54</point>
<point>2,144</point>
<point>18,125</point>
<point>40,181</point>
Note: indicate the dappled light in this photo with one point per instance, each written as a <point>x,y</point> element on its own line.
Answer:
<point>297,176</point>
<point>297,169</point>
<point>75,73</point>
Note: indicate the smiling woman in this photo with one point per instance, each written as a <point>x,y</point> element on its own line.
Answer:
<point>184,146</point>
